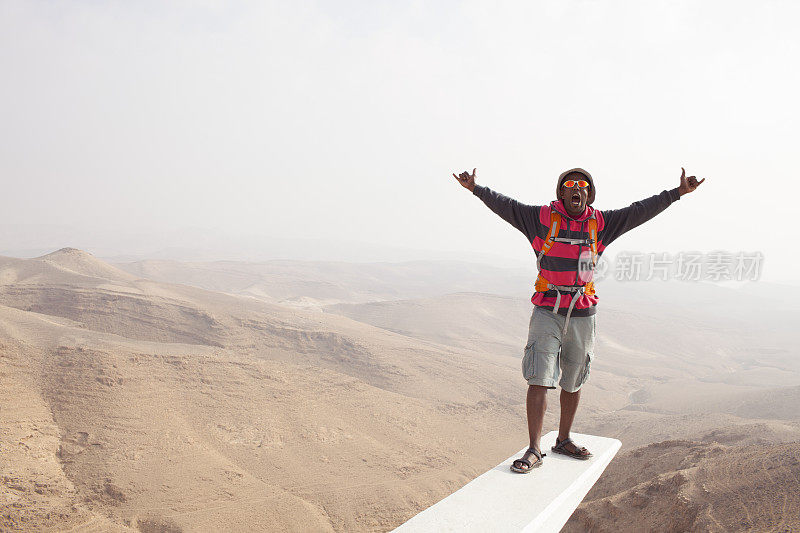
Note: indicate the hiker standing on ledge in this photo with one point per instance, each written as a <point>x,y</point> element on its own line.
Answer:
<point>568,237</point>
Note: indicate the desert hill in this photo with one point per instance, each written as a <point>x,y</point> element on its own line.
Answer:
<point>317,283</point>
<point>490,323</point>
<point>83,263</point>
<point>65,266</point>
<point>778,404</point>
<point>695,486</point>
<point>146,311</point>
<point>688,318</point>
<point>149,405</point>
<point>133,404</point>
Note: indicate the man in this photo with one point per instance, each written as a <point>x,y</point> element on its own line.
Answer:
<point>568,236</point>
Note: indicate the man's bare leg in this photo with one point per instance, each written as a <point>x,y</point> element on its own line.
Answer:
<point>536,405</point>
<point>569,406</point>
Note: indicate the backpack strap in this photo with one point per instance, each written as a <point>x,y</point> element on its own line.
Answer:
<point>552,233</point>
<point>593,238</point>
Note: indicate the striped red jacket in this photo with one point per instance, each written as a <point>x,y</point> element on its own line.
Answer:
<point>562,265</point>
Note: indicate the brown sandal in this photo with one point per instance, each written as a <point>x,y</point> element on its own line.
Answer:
<point>560,447</point>
<point>537,464</point>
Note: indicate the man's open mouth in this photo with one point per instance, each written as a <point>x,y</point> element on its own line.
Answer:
<point>576,199</point>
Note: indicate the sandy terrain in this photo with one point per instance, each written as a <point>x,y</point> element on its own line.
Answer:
<point>254,416</point>
<point>696,486</point>
<point>485,322</point>
<point>133,404</point>
<point>316,283</point>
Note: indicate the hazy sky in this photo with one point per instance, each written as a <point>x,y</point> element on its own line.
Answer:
<point>344,120</point>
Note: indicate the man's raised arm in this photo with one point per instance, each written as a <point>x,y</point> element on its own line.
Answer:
<point>523,217</point>
<point>620,221</point>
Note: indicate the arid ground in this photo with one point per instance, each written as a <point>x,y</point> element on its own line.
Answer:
<point>160,396</point>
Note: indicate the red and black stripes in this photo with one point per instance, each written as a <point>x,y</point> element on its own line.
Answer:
<point>566,263</point>
<point>562,265</point>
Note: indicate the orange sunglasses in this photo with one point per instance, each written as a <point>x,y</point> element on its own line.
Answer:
<point>580,183</point>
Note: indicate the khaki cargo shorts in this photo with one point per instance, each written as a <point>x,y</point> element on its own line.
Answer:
<point>546,356</point>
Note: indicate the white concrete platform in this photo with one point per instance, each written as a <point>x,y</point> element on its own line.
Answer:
<point>501,500</point>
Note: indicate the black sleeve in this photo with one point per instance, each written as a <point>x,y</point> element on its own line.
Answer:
<point>523,217</point>
<point>619,221</point>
